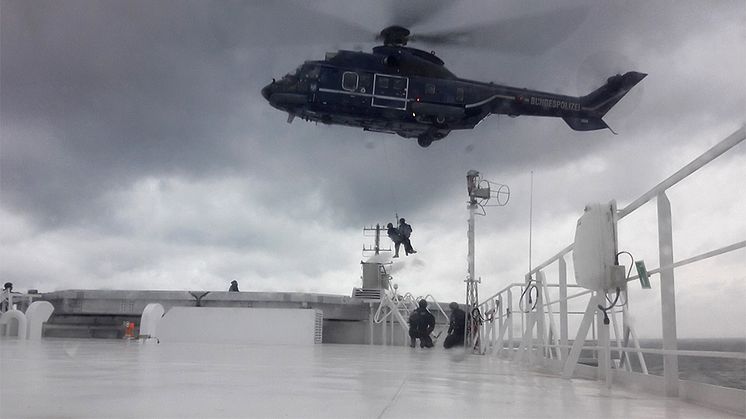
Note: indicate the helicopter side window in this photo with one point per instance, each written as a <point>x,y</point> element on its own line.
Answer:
<point>430,89</point>
<point>349,81</point>
<point>460,94</point>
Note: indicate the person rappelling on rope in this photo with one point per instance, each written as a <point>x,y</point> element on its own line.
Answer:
<point>405,230</point>
<point>395,237</point>
<point>400,236</point>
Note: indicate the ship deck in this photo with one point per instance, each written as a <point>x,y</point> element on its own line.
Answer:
<point>118,378</point>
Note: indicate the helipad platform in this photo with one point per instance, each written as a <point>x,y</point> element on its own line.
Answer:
<point>118,378</point>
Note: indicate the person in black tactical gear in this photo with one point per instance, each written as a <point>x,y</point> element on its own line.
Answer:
<point>456,328</point>
<point>421,324</point>
<point>234,286</point>
<point>5,297</point>
<point>395,237</point>
<point>405,230</point>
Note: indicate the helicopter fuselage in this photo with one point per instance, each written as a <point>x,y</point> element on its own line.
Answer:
<point>409,92</point>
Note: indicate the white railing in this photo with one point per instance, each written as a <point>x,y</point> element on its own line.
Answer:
<point>15,300</point>
<point>395,309</point>
<point>544,338</point>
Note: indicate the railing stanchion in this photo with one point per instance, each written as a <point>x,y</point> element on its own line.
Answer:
<point>668,295</point>
<point>509,319</point>
<point>563,307</point>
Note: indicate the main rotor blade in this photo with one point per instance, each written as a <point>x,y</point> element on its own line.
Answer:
<point>281,22</point>
<point>528,35</point>
<point>413,12</point>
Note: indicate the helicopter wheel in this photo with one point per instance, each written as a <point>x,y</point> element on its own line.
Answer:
<point>424,140</point>
<point>440,121</point>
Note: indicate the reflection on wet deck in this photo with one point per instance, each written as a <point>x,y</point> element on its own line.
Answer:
<point>112,378</point>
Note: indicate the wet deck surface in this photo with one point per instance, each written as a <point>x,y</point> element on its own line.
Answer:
<point>108,378</point>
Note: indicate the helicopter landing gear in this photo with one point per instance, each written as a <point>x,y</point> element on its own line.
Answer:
<point>439,121</point>
<point>427,137</point>
<point>424,140</point>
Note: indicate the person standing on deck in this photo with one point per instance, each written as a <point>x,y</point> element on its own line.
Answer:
<point>234,286</point>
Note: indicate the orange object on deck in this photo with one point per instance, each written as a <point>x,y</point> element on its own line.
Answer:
<point>129,330</point>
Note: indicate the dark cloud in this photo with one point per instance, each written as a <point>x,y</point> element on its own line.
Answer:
<point>134,133</point>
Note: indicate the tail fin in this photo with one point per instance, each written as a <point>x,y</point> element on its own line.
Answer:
<point>585,123</point>
<point>599,101</point>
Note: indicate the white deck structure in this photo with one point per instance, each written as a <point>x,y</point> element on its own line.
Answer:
<point>113,378</point>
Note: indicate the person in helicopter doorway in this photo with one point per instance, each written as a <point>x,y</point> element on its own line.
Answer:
<point>405,230</point>
<point>234,286</point>
<point>421,324</point>
<point>456,328</point>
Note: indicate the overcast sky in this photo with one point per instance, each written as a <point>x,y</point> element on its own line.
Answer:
<point>137,152</point>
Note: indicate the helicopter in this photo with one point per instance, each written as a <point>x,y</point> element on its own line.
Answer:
<point>407,91</point>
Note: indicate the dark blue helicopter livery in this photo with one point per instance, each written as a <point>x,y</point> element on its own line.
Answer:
<point>409,92</point>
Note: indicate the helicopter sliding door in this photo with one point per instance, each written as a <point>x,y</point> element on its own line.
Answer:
<point>390,91</point>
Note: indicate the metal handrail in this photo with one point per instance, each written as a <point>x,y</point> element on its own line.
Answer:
<point>679,352</point>
<point>528,320</point>
<point>708,156</point>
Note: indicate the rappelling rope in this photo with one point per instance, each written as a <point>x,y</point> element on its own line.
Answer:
<point>390,182</point>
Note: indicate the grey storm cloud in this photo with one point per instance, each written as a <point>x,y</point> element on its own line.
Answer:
<point>136,148</point>
<point>99,94</point>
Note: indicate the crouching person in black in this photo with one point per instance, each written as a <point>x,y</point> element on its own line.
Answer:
<point>421,324</point>
<point>456,328</point>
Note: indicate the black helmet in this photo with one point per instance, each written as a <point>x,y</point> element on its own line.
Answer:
<point>453,305</point>
<point>401,220</point>
<point>389,225</point>
<point>234,282</point>
<point>8,286</point>
<point>423,303</point>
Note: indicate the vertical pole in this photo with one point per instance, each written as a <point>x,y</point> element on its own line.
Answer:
<point>509,319</point>
<point>617,336</point>
<point>523,315</point>
<point>577,345</point>
<point>563,307</point>
<point>552,337</point>
<point>603,352</point>
<point>541,333</point>
<point>371,315</point>
<point>493,323</point>
<point>393,326</point>
<point>530,220</point>
<point>384,329</point>
<point>471,283</point>
<point>378,238</point>
<point>500,320</point>
<point>668,296</point>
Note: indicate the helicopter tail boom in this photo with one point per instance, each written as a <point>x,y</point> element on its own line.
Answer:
<point>601,100</point>
<point>597,103</point>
